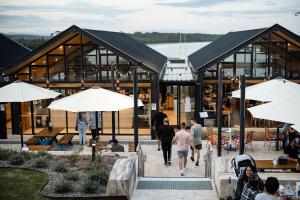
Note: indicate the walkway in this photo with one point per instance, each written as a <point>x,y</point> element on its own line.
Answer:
<point>165,183</point>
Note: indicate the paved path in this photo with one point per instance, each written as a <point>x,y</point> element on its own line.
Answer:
<point>156,171</point>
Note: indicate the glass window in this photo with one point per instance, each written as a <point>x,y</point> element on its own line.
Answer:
<point>38,73</point>
<point>56,69</point>
<point>104,60</point>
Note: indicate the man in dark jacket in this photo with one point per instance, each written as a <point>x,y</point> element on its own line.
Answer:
<point>166,134</point>
<point>157,121</point>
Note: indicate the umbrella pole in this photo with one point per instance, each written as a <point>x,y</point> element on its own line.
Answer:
<point>21,132</point>
<point>113,121</point>
<point>97,129</point>
<point>32,117</point>
<point>242,114</point>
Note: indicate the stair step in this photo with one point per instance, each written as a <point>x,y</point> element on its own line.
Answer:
<point>174,184</point>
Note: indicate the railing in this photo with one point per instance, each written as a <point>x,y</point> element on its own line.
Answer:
<point>207,160</point>
<point>141,160</point>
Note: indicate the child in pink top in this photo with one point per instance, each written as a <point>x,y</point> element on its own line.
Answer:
<point>182,138</point>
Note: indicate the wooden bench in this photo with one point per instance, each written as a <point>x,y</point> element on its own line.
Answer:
<point>65,140</point>
<point>39,147</point>
<point>101,145</point>
<point>131,147</point>
<point>31,141</point>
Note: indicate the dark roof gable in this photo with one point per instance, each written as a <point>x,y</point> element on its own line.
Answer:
<point>10,51</point>
<point>230,43</point>
<point>120,43</point>
<point>131,47</point>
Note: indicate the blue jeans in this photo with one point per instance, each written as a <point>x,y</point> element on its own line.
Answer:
<point>82,135</point>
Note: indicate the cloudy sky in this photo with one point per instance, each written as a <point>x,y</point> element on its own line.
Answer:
<point>44,17</point>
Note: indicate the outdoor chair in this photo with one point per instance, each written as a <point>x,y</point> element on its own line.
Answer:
<point>248,141</point>
<point>269,137</point>
<point>210,134</point>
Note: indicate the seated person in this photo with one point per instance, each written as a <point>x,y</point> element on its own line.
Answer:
<point>243,179</point>
<point>271,187</point>
<point>251,189</point>
<point>291,150</point>
<point>115,146</point>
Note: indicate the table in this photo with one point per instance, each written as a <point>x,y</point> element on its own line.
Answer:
<point>232,136</point>
<point>268,164</point>
<point>45,133</point>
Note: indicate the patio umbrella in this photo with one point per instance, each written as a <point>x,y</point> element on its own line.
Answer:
<point>19,91</point>
<point>94,99</point>
<point>272,90</point>
<point>296,127</point>
<point>286,110</point>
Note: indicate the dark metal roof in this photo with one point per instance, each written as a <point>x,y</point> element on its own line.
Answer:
<point>132,48</point>
<point>119,43</point>
<point>10,50</point>
<point>231,43</point>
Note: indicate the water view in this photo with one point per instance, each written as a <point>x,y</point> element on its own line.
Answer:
<point>178,50</point>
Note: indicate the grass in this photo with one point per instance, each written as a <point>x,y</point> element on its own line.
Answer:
<point>21,184</point>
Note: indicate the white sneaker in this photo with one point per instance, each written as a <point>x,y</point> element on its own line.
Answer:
<point>181,173</point>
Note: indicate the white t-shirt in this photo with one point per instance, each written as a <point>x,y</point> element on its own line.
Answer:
<point>264,196</point>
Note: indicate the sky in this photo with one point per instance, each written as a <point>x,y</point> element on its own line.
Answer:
<point>43,17</point>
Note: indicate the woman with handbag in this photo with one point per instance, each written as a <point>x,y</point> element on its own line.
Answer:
<point>81,124</point>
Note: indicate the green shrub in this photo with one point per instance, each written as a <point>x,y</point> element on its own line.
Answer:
<point>40,162</point>
<point>73,158</point>
<point>89,186</point>
<point>43,154</point>
<point>26,155</point>
<point>5,154</point>
<point>72,177</point>
<point>60,167</point>
<point>100,176</point>
<point>16,159</point>
<point>96,164</point>
<point>63,187</point>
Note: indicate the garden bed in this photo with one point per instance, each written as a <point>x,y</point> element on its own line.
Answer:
<point>69,176</point>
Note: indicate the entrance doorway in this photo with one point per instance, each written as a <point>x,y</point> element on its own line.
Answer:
<point>178,103</point>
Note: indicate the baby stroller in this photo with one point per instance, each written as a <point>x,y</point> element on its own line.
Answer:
<point>240,162</point>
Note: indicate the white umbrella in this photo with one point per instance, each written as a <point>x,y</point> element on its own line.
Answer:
<point>296,127</point>
<point>287,111</point>
<point>19,91</point>
<point>273,90</point>
<point>94,99</point>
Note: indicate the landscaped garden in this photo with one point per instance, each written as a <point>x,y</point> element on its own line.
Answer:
<point>68,176</point>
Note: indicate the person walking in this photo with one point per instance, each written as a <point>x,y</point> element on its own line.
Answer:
<point>81,124</point>
<point>94,125</point>
<point>182,138</point>
<point>196,142</point>
<point>166,134</point>
<point>156,122</point>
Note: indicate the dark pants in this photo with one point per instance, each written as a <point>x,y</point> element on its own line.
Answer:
<point>94,133</point>
<point>167,151</point>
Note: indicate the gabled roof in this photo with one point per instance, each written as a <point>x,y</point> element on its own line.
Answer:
<point>132,48</point>
<point>119,43</point>
<point>10,50</point>
<point>231,43</point>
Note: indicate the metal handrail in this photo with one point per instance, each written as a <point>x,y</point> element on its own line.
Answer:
<point>207,160</point>
<point>141,160</point>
